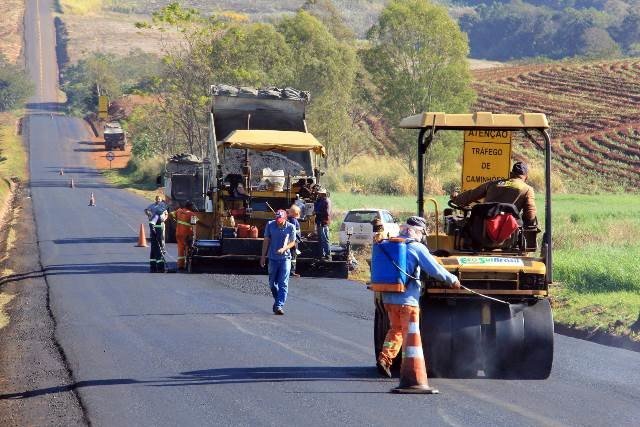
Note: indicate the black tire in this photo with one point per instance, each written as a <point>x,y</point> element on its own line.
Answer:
<point>538,341</point>
<point>503,354</point>
<point>436,331</point>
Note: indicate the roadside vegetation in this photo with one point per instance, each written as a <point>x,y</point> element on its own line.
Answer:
<point>596,262</point>
<point>15,85</point>
<point>15,88</point>
<point>115,75</point>
<point>13,157</point>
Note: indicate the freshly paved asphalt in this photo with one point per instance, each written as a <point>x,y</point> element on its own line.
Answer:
<point>152,349</point>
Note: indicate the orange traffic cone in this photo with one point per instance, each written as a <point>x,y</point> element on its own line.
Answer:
<point>71,185</point>
<point>61,171</point>
<point>142,240</point>
<point>413,373</point>
<point>92,200</point>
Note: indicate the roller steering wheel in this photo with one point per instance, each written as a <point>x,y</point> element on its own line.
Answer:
<point>466,210</point>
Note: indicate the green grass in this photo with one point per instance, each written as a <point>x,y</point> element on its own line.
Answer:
<point>596,262</point>
<point>137,177</point>
<point>13,157</point>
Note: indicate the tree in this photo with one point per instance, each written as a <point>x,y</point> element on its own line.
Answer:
<point>115,75</point>
<point>327,68</point>
<point>15,86</point>
<point>417,60</point>
<point>329,15</point>
<point>251,55</point>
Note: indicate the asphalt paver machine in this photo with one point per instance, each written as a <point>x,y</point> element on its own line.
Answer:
<point>500,324</point>
<point>261,159</point>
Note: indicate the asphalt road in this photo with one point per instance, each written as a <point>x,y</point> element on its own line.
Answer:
<point>153,349</point>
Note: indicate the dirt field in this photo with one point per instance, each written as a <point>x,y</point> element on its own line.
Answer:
<point>11,12</point>
<point>482,64</point>
<point>112,33</point>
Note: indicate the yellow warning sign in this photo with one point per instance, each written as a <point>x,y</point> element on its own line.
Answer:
<point>103,107</point>
<point>486,157</point>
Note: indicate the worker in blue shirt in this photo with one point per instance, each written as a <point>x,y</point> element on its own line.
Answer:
<point>294,214</point>
<point>279,239</point>
<point>401,306</point>
<point>322,209</point>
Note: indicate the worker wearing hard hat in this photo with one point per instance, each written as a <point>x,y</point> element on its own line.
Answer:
<point>184,231</point>
<point>400,306</point>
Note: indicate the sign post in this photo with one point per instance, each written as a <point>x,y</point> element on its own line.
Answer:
<point>486,157</point>
<point>110,156</point>
<point>103,107</point>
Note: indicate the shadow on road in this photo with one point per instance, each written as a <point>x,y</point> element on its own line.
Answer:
<point>50,107</point>
<point>273,374</point>
<point>223,376</point>
<point>108,268</point>
<point>65,182</point>
<point>74,170</point>
<point>89,150</point>
<point>17,277</point>
<point>64,388</point>
<point>80,240</point>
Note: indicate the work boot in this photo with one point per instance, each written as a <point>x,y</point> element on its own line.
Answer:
<point>152,267</point>
<point>383,369</point>
<point>279,311</point>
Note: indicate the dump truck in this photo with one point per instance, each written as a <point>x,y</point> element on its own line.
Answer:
<point>261,158</point>
<point>114,136</point>
<point>501,325</point>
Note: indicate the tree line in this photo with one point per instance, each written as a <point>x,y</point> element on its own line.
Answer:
<point>555,29</point>
<point>403,67</point>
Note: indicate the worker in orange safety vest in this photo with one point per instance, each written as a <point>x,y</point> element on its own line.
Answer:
<point>184,231</point>
<point>402,306</point>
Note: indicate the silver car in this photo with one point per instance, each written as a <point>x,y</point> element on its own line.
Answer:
<point>358,223</point>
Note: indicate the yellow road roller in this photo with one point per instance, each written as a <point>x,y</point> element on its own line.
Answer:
<point>499,325</point>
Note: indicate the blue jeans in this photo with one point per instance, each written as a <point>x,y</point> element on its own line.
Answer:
<point>323,236</point>
<point>279,270</point>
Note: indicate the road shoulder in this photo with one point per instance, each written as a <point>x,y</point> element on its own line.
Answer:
<point>35,385</point>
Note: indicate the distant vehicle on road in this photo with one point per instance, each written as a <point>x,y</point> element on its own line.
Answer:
<point>114,136</point>
<point>359,222</point>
